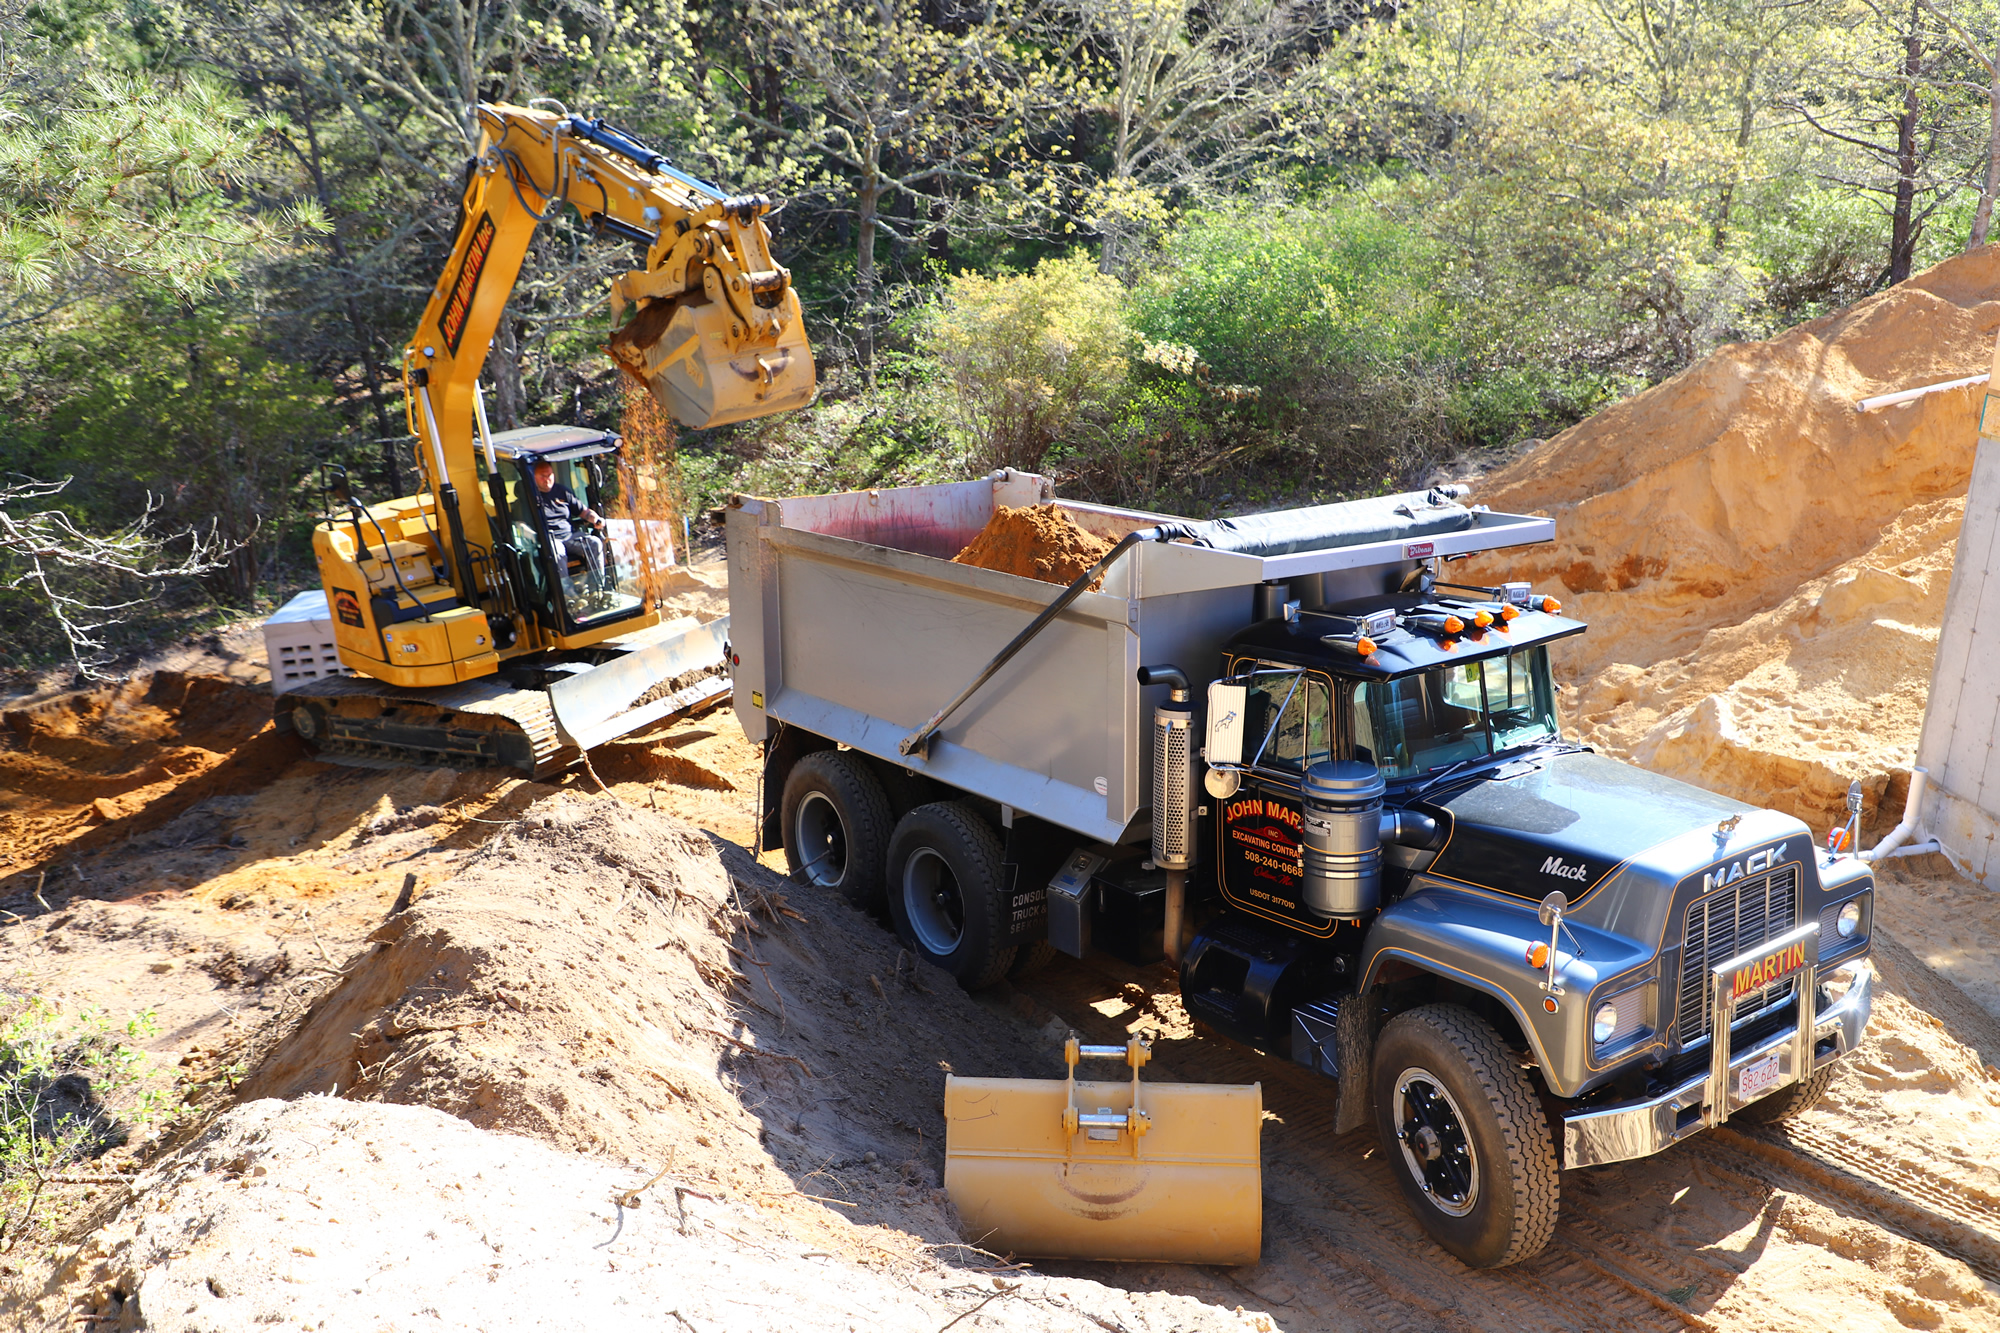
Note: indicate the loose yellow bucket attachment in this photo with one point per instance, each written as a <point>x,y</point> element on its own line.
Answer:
<point>1055,1168</point>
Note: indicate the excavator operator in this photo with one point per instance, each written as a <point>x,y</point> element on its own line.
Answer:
<point>561,511</point>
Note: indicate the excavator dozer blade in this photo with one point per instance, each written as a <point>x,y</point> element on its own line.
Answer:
<point>1187,1190</point>
<point>682,352</point>
<point>680,670</point>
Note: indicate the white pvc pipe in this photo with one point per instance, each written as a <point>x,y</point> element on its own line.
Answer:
<point>1911,395</point>
<point>1900,834</point>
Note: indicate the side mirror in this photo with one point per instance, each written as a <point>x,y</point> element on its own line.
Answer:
<point>1854,797</point>
<point>1226,704</point>
<point>1223,743</point>
<point>1553,907</point>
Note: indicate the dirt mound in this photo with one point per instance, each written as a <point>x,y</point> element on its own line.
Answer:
<point>124,759</point>
<point>1035,542</point>
<point>1762,567</point>
<point>328,1215</point>
<point>1786,707</point>
<point>611,980</point>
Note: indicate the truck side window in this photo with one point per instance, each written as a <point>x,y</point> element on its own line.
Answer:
<point>1304,732</point>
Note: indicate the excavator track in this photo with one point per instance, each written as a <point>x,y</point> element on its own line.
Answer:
<point>480,724</point>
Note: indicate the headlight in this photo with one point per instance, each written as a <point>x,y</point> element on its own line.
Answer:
<point>1849,919</point>
<point>1604,1023</point>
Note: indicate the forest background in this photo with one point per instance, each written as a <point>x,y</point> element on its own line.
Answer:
<point>1203,256</point>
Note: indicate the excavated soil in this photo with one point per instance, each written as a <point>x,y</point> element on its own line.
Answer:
<point>1035,542</point>
<point>1763,568</point>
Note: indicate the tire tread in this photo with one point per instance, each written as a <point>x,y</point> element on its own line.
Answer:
<point>1530,1150</point>
<point>983,843</point>
<point>864,807</point>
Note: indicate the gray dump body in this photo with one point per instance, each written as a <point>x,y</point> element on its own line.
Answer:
<point>849,620</point>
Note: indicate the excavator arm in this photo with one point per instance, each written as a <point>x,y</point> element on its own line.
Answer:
<point>717,334</point>
<point>478,632</point>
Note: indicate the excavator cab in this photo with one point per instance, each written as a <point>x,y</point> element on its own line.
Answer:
<point>573,574</point>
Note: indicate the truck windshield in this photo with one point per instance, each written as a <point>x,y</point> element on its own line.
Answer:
<point>1414,724</point>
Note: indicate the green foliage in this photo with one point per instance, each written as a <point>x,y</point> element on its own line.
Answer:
<point>156,399</point>
<point>1258,288</point>
<point>62,1077</point>
<point>857,436</point>
<point>129,172</point>
<point>1373,360</point>
<point>1029,360</point>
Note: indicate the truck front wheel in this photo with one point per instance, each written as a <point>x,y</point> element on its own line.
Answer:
<point>1464,1134</point>
<point>836,824</point>
<point>947,892</point>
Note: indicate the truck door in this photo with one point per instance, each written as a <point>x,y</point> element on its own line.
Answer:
<point>1288,726</point>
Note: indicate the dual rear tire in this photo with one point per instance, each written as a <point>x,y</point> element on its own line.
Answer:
<point>940,870</point>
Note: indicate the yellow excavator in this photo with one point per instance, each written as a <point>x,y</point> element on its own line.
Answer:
<point>508,614</point>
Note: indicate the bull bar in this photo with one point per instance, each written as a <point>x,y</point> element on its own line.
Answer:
<point>1644,1126</point>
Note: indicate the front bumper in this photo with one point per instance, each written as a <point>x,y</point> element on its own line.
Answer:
<point>1641,1128</point>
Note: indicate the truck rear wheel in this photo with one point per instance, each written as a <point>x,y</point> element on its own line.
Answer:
<point>947,892</point>
<point>836,824</point>
<point>1464,1134</point>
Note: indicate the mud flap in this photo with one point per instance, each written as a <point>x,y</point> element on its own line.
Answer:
<point>1057,1168</point>
<point>1354,1039</point>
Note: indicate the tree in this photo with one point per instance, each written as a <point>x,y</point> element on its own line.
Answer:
<point>50,556</point>
<point>1976,48</point>
<point>1195,94</point>
<point>107,173</point>
<point>891,107</point>
<point>1898,94</point>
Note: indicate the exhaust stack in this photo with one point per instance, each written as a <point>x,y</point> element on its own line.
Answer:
<point>1173,794</point>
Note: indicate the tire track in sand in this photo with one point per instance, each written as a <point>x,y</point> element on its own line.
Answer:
<point>1935,1222</point>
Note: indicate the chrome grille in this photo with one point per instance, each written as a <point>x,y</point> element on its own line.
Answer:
<point>1726,923</point>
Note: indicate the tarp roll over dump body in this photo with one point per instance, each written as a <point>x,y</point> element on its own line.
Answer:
<point>849,620</point>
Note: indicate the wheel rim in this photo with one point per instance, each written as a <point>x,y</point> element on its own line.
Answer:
<point>934,902</point>
<point>1437,1150</point>
<point>821,840</point>
<point>306,723</point>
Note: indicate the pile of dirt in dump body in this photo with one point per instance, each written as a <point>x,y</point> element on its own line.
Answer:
<point>1035,542</point>
<point>1763,568</point>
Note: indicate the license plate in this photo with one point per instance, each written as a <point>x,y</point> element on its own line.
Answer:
<point>1760,1078</point>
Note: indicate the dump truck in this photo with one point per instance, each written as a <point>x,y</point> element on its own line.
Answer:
<point>1289,754</point>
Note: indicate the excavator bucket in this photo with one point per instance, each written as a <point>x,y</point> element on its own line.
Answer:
<point>1057,1168</point>
<point>681,351</point>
